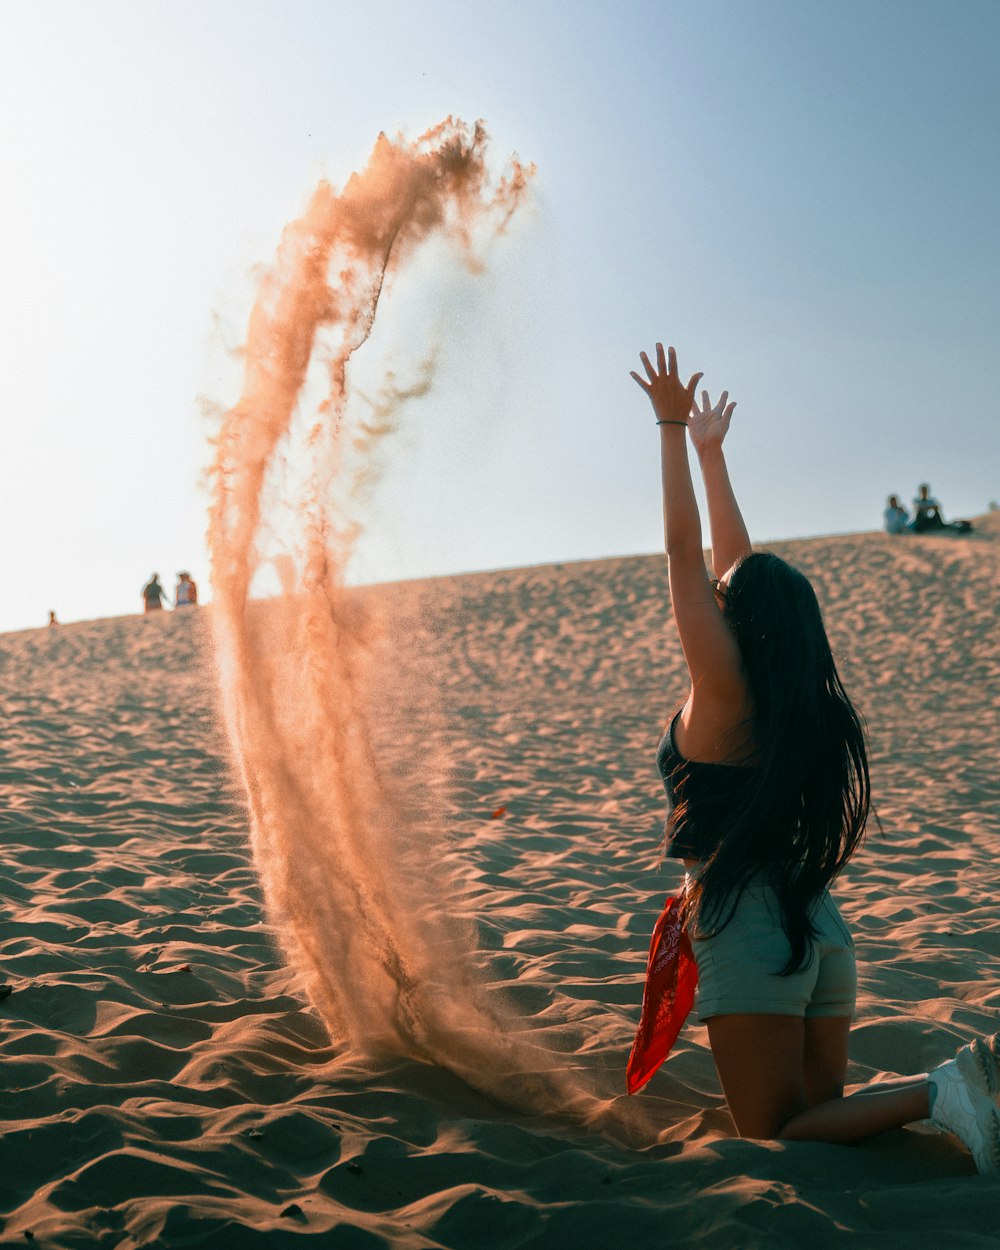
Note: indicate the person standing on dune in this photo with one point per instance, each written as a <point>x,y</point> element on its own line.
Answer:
<point>153,594</point>
<point>765,768</point>
<point>186,591</point>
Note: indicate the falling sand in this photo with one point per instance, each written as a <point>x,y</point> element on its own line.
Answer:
<point>350,868</point>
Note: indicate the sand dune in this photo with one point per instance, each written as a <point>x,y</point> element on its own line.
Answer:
<point>166,1084</point>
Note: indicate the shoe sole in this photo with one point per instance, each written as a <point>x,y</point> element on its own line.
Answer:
<point>986,1053</point>
<point>979,1064</point>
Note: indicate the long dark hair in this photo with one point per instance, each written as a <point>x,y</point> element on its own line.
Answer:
<point>804,812</point>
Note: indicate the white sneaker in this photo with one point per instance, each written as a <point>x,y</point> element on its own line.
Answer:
<point>966,1099</point>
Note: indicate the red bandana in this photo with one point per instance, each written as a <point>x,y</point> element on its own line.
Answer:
<point>668,995</point>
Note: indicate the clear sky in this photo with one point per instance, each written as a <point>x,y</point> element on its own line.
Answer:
<point>803,197</point>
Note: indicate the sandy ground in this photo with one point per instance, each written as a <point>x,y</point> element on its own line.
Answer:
<point>165,1083</point>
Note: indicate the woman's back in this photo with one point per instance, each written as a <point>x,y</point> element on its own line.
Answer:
<point>701,795</point>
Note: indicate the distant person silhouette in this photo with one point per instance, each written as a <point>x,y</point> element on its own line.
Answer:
<point>153,594</point>
<point>926,512</point>
<point>896,517</point>
<point>186,593</point>
<point>52,619</point>
<point>927,515</point>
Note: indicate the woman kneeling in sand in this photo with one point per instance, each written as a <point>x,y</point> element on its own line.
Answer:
<point>766,768</point>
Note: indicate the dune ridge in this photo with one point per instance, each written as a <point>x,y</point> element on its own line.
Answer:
<point>167,1083</point>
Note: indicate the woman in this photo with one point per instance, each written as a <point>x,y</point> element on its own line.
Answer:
<point>767,771</point>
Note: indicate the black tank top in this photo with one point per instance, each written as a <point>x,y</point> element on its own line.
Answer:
<point>708,793</point>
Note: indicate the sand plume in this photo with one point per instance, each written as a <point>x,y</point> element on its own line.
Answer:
<point>365,913</point>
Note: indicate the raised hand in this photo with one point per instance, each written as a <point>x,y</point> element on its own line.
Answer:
<point>671,400</point>
<point>708,426</point>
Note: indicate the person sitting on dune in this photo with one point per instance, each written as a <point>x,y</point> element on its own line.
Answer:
<point>927,513</point>
<point>153,594</point>
<point>896,517</point>
<point>766,769</point>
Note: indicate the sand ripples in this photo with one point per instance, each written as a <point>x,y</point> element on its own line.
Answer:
<point>164,1080</point>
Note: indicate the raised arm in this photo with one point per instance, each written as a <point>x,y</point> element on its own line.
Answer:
<point>708,427</point>
<point>672,402</point>
<point>709,648</point>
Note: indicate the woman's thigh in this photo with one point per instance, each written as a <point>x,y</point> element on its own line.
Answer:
<point>761,1064</point>
<point>779,1043</point>
<point>825,1058</point>
<point>772,1067</point>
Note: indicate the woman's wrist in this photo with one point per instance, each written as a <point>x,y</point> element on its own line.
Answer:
<point>708,453</point>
